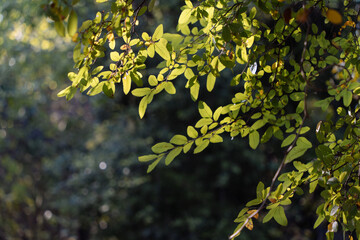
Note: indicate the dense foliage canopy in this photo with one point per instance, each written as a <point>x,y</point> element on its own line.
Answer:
<point>291,63</point>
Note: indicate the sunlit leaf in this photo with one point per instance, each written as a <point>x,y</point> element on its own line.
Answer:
<point>191,132</point>
<point>172,154</point>
<point>185,16</point>
<point>254,139</point>
<point>162,147</point>
<point>334,16</point>
<point>72,23</point>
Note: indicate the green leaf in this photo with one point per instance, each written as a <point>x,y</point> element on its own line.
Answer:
<point>269,215</point>
<point>331,60</point>
<point>280,216</point>
<point>151,50</point>
<point>142,11</point>
<point>160,48</point>
<point>169,88</point>
<point>60,28</point>
<point>162,147</point>
<point>194,91</point>
<point>324,104</point>
<point>140,92</point>
<point>253,202</point>
<point>151,5</point>
<point>147,158</point>
<point>325,154</point>
<point>152,80</point>
<point>210,82</point>
<point>300,166</point>
<point>203,122</point>
<point>178,140</point>
<point>259,190</point>
<point>254,139</point>
<point>187,146</point>
<point>295,153</point>
<point>217,113</point>
<point>172,154</point>
<point>64,92</point>
<point>185,16</point>
<point>97,89</point>
<point>312,186</point>
<point>304,130</point>
<point>347,98</point>
<point>297,96</point>
<point>142,106</point>
<point>72,23</point>
<point>189,3</point>
<point>258,124</point>
<point>204,110</point>
<point>319,220</point>
<point>97,70</point>
<point>126,83</point>
<point>249,42</point>
<point>115,56</point>
<point>287,141</point>
<point>267,135</point>
<point>303,142</point>
<point>216,139</point>
<point>226,34</point>
<point>203,144</point>
<point>154,164</point>
<point>191,132</point>
<point>109,89</point>
<point>158,33</point>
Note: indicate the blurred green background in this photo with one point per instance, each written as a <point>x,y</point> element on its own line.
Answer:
<point>69,170</point>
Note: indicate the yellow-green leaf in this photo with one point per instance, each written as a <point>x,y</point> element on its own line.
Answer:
<point>347,98</point>
<point>194,91</point>
<point>216,139</point>
<point>158,33</point>
<point>147,158</point>
<point>189,3</point>
<point>296,152</point>
<point>191,132</point>
<point>203,144</point>
<point>60,28</point>
<point>178,140</point>
<point>185,16</point>
<point>162,147</point>
<point>187,147</point>
<point>140,92</point>
<point>72,23</point>
<point>169,88</point>
<point>204,110</point>
<point>154,164</point>
<point>160,48</point>
<point>280,216</point>
<point>217,113</point>
<point>142,106</point>
<point>254,139</point>
<point>152,80</point>
<point>126,83</point>
<point>210,82</point>
<point>287,141</point>
<point>151,50</point>
<point>172,154</point>
<point>64,92</point>
<point>115,56</point>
